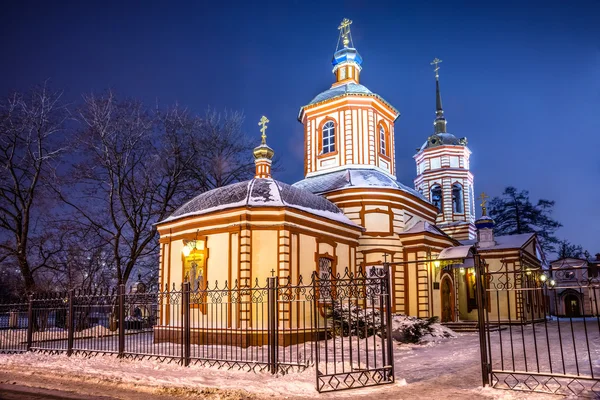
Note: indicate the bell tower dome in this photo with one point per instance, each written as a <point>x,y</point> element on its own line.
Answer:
<point>443,174</point>
<point>346,60</point>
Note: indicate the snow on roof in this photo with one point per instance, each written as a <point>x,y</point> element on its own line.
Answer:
<point>458,252</point>
<point>345,90</point>
<point>423,226</point>
<point>504,242</point>
<point>441,139</point>
<point>353,177</point>
<point>260,193</point>
<point>350,88</point>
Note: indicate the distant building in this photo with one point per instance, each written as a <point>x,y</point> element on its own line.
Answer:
<point>572,295</point>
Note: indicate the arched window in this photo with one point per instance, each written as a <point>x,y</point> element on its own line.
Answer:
<point>382,141</point>
<point>457,198</point>
<point>436,196</point>
<point>328,144</point>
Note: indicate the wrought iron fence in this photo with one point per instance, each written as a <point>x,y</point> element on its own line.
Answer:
<point>338,323</point>
<point>354,322</point>
<point>549,336</point>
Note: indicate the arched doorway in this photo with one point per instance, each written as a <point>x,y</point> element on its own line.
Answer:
<point>447,293</point>
<point>572,308</point>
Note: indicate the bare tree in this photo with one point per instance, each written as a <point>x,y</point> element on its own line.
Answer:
<point>136,168</point>
<point>32,128</point>
<point>224,152</point>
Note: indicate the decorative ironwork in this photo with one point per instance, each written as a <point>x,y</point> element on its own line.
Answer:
<point>354,325</point>
<point>549,335</point>
<point>338,323</point>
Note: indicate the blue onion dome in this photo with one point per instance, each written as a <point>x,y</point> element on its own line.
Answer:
<point>485,221</point>
<point>346,54</point>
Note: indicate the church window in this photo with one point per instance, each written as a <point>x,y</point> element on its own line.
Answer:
<point>382,140</point>
<point>436,163</point>
<point>342,73</point>
<point>436,196</point>
<point>471,201</point>
<point>328,145</point>
<point>457,198</point>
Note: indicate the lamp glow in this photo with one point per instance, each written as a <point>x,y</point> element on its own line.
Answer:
<point>552,282</point>
<point>543,277</point>
<point>186,250</point>
<point>436,264</point>
<point>462,271</point>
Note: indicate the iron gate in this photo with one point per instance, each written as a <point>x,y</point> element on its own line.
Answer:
<point>541,329</point>
<point>353,322</point>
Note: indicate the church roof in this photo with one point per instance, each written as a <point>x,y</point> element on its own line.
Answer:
<point>353,178</point>
<point>260,193</point>
<point>424,226</point>
<point>442,139</point>
<point>346,90</point>
<point>504,242</point>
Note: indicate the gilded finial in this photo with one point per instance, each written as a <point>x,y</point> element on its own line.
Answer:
<point>483,198</point>
<point>263,124</point>
<point>344,29</point>
<point>436,61</point>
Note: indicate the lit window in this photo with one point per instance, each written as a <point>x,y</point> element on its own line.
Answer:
<point>328,138</point>
<point>436,196</point>
<point>457,198</point>
<point>382,141</point>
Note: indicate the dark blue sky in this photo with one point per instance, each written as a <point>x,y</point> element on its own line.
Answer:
<point>519,79</point>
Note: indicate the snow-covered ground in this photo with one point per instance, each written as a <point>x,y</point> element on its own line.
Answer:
<point>445,367</point>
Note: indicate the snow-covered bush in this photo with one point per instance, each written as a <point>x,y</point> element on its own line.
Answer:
<point>346,320</point>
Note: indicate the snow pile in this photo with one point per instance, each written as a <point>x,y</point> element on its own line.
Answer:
<point>408,329</point>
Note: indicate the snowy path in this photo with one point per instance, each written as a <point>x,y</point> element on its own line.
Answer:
<point>448,368</point>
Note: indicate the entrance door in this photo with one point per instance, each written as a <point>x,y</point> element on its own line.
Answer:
<point>572,306</point>
<point>447,292</point>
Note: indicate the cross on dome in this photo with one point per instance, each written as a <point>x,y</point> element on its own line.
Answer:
<point>263,154</point>
<point>263,124</point>
<point>483,198</point>
<point>344,29</point>
<point>436,61</point>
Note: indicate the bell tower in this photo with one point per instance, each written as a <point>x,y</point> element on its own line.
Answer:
<point>443,174</point>
<point>347,126</point>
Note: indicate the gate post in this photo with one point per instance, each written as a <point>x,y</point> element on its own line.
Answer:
<point>185,310</point>
<point>71,330</point>
<point>481,316</point>
<point>315,329</point>
<point>30,323</point>
<point>386,284</point>
<point>121,296</point>
<point>272,328</point>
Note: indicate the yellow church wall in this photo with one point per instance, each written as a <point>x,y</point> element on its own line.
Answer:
<point>264,255</point>
<point>307,251</point>
<point>218,259</point>
<point>411,287</point>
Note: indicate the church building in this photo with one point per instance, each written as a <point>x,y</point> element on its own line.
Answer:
<point>349,211</point>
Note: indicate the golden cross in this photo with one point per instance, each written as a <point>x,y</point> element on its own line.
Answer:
<point>435,62</point>
<point>263,123</point>
<point>344,29</point>
<point>483,198</point>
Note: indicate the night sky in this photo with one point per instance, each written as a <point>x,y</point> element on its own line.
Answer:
<point>518,79</point>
